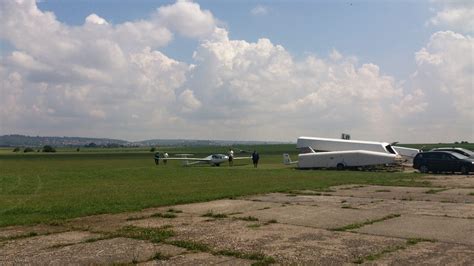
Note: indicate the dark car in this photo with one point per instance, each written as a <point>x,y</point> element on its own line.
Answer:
<point>443,161</point>
<point>462,151</point>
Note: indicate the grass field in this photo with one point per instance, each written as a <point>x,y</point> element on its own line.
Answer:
<point>39,188</point>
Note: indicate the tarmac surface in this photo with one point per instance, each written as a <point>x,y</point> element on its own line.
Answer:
<point>350,224</point>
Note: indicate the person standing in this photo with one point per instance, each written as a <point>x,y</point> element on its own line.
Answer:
<point>255,158</point>
<point>231,157</point>
<point>157,158</point>
<point>165,157</point>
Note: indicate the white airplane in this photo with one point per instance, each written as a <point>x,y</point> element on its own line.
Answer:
<point>213,159</point>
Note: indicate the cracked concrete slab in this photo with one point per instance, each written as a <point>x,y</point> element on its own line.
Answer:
<point>403,193</point>
<point>224,206</point>
<point>288,244</point>
<point>200,258</point>
<point>446,229</point>
<point>109,251</point>
<point>459,210</point>
<point>316,216</point>
<point>13,250</point>
<point>20,231</point>
<point>427,253</point>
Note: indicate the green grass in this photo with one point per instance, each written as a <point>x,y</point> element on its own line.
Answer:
<point>160,256</point>
<point>190,245</point>
<point>391,249</point>
<point>359,225</point>
<point>154,235</point>
<point>41,188</point>
<point>214,215</point>
<point>164,215</point>
<point>434,191</point>
<point>247,218</point>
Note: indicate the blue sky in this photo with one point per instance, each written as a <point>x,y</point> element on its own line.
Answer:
<point>247,70</point>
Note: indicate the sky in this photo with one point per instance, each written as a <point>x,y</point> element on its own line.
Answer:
<point>238,70</point>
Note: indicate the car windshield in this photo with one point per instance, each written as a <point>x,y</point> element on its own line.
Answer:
<point>471,153</point>
<point>458,155</point>
<point>461,151</point>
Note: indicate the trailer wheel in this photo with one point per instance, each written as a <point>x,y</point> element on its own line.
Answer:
<point>340,166</point>
<point>424,169</point>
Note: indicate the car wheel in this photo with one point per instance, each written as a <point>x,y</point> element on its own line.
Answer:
<point>340,166</point>
<point>464,170</point>
<point>424,169</point>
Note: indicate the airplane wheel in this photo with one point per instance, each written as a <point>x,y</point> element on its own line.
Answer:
<point>424,169</point>
<point>340,166</point>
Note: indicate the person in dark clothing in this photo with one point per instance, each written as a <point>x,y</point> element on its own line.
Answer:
<point>255,158</point>
<point>157,158</point>
<point>231,157</point>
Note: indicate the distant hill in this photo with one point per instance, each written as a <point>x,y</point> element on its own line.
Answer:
<point>23,141</point>
<point>38,141</point>
<point>189,142</point>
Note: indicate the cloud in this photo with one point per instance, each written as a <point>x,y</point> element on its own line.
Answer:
<point>187,18</point>
<point>95,19</point>
<point>105,79</point>
<point>455,16</point>
<point>445,67</point>
<point>259,10</point>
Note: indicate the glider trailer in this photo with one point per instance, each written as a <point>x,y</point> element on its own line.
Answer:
<point>341,154</point>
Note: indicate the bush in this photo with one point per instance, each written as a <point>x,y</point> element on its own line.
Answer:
<point>78,149</point>
<point>153,149</point>
<point>17,149</point>
<point>28,150</point>
<point>48,148</point>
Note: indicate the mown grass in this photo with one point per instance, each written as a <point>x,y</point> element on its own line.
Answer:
<point>41,188</point>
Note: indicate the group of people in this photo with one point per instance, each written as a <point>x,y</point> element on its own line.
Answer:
<point>158,156</point>
<point>255,158</point>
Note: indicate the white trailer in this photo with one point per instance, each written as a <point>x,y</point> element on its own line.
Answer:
<point>326,144</point>
<point>344,159</point>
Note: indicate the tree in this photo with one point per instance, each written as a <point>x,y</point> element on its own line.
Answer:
<point>48,148</point>
<point>91,145</point>
<point>28,150</point>
<point>17,149</point>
